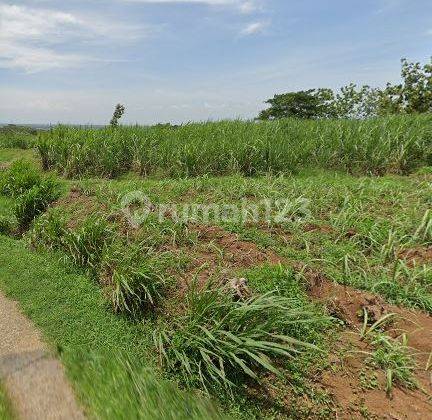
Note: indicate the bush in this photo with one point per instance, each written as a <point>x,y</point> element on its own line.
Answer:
<point>48,230</point>
<point>19,178</point>
<point>134,282</point>
<point>87,245</point>
<point>35,201</point>
<point>6,225</point>
<point>17,137</point>
<point>219,338</point>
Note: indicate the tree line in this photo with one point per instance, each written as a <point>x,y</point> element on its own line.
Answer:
<point>412,95</point>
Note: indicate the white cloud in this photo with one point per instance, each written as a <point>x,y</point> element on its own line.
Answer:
<point>254,28</point>
<point>30,38</point>
<point>244,6</point>
<point>429,32</point>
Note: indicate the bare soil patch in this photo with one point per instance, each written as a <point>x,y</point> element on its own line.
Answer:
<point>417,256</point>
<point>344,381</point>
<point>221,252</point>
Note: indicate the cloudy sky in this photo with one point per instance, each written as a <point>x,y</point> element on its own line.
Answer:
<point>182,60</point>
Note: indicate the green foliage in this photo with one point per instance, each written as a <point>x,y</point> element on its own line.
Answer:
<point>309,104</point>
<point>220,339</point>
<point>87,244</point>
<point>6,225</point>
<point>19,178</point>
<point>392,144</point>
<point>395,357</point>
<point>118,113</point>
<point>35,201</point>
<point>14,136</point>
<point>5,406</point>
<point>134,281</point>
<point>48,230</point>
<point>412,96</point>
<point>353,102</point>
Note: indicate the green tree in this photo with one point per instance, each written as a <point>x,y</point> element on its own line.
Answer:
<point>413,95</point>
<point>353,102</point>
<point>118,113</point>
<point>308,104</point>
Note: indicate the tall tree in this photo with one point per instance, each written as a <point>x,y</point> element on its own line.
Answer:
<point>308,104</point>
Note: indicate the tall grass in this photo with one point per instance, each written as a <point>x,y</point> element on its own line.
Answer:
<point>393,144</point>
<point>219,340</point>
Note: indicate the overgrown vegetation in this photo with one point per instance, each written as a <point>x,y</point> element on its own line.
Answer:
<point>33,192</point>
<point>15,136</point>
<point>393,144</point>
<point>220,338</point>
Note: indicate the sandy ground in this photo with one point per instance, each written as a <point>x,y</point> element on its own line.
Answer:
<point>34,380</point>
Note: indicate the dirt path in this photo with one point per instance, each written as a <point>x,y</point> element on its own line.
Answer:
<point>33,378</point>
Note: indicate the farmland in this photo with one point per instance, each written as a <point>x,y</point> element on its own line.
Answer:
<point>279,269</point>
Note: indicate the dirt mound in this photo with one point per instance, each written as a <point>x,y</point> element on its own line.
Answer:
<point>347,380</point>
<point>417,256</point>
<point>347,303</point>
<point>221,252</point>
<point>358,391</point>
<point>237,252</point>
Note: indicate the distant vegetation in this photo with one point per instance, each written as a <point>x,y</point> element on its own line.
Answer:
<point>412,96</point>
<point>12,135</point>
<point>394,144</point>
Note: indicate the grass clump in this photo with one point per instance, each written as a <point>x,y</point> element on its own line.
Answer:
<point>395,358</point>
<point>5,407</point>
<point>19,178</point>
<point>35,201</point>
<point>33,192</point>
<point>218,339</point>
<point>133,279</point>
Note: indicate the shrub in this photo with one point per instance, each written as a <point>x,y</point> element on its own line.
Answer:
<point>134,282</point>
<point>87,245</point>
<point>396,359</point>
<point>6,225</point>
<point>219,338</point>
<point>19,178</point>
<point>35,201</point>
<point>48,230</point>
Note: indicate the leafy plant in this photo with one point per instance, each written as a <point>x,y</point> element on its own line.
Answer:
<point>19,178</point>
<point>394,356</point>
<point>87,245</point>
<point>118,113</point>
<point>219,338</point>
<point>133,281</point>
<point>35,201</point>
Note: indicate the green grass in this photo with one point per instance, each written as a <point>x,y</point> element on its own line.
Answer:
<point>385,145</point>
<point>6,412</point>
<point>9,155</point>
<point>354,232</point>
<point>385,216</point>
<point>109,359</point>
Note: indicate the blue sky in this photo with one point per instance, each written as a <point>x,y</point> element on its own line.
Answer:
<point>184,60</point>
